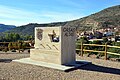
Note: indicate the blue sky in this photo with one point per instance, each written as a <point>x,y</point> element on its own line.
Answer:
<point>21,12</point>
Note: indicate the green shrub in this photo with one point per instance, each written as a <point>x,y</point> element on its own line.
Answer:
<point>14,45</point>
<point>105,40</point>
<point>20,44</point>
<point>5,49</point>
<point>97,42</point>
<point>24,45</point>
<point>83,40</point>
<point>10,46</point>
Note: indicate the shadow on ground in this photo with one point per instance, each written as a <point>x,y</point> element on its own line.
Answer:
<point>97,68</point>
<point>5,60</point>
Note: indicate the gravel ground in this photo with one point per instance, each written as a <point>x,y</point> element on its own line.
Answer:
<point>98,70</point>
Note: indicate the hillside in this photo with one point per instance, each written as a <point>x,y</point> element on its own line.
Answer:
<point>4,27</point>
<point>29,28</point>
<point>109,17</point>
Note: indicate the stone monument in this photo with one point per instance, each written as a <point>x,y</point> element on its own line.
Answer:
<point>54,48</point>
<point>54,45</point>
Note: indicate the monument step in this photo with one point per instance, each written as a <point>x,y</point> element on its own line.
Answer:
<point>45,51</point>
<point>65,68</point>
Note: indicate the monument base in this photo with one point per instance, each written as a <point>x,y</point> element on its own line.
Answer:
<point>65,68</point>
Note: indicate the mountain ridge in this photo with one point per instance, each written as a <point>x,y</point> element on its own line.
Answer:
<point>4,27</point>
<point>109,17</point>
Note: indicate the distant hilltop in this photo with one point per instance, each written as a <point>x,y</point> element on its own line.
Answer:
<point>4,27</point>
<point>109,17</point>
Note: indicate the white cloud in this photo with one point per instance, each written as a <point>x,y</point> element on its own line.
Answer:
<point>15,16</point>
